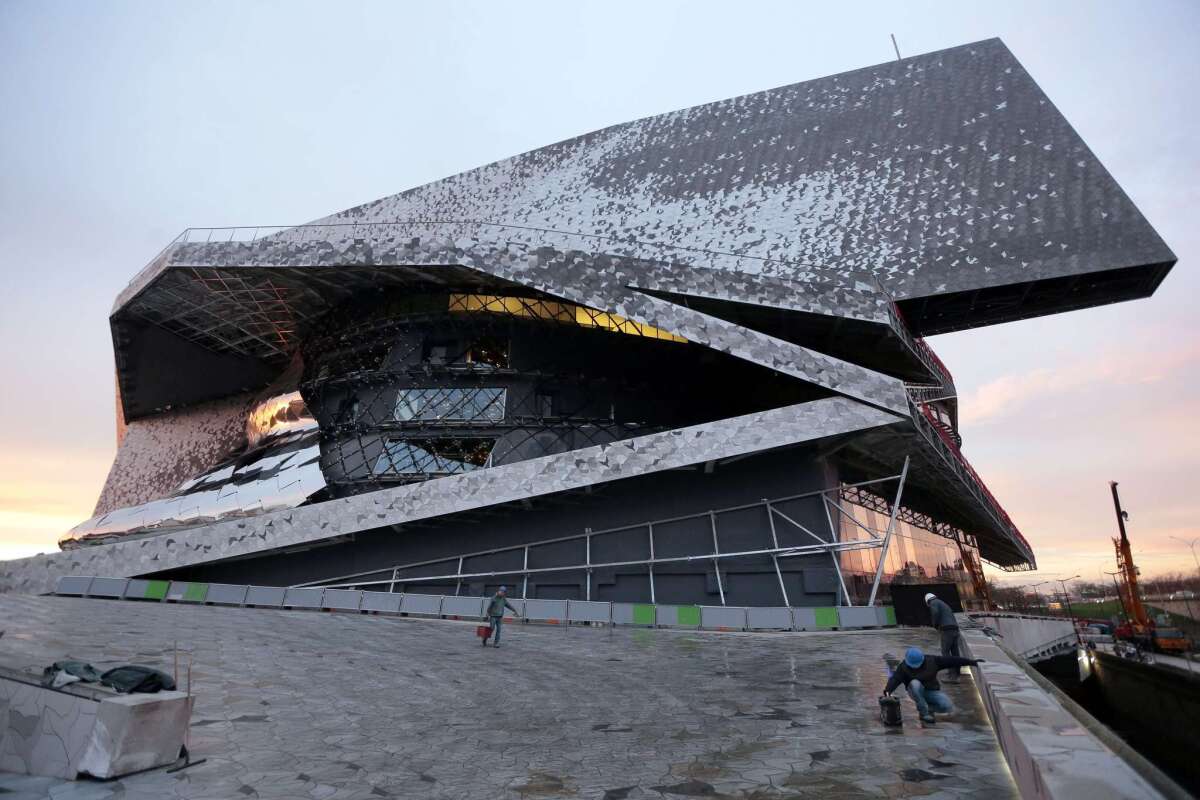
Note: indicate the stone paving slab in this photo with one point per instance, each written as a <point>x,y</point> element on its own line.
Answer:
<point>295,704</point>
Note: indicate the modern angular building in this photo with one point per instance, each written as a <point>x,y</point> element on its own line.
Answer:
<point>677,360</point>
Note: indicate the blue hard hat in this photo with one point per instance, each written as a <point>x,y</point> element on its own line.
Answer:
<point>504,588</point>
<point>914,657</point>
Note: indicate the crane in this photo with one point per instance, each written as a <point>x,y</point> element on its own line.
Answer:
<point>1140,628</point>
<point>1131,598</point>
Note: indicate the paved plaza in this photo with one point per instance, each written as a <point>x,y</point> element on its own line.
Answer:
<point>294,704</point>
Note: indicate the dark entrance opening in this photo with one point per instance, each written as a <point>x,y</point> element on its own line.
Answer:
<point>909,600</point>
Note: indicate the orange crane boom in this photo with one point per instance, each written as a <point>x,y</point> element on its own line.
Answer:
<point>1138,618</point>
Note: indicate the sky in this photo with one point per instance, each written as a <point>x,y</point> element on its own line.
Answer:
<point>122,123</point>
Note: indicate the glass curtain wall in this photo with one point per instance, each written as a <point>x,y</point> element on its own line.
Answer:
<point>915,555</point>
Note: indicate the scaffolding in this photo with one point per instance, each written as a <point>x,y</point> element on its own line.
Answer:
<point>391,575</point>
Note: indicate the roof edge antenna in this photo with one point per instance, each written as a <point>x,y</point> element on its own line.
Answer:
<point>896,46</point>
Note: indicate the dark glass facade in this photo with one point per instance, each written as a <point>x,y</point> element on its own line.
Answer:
<point>408,387</point>
<point>915,556</point>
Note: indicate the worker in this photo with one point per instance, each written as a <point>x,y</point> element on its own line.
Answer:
<point>947,625</point>
<point>495,612</point>
<point>918,672</point>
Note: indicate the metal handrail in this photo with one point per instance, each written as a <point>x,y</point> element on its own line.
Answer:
<point>765,503</point>
<point>252,233</point>
<point>925,420</point>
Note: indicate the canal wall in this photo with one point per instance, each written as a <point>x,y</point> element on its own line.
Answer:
<point>1155,708</point>
<point>1054,749</point>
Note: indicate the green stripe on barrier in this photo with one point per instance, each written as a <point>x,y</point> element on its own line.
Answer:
<point>643,614</point>
<point>195,592</point>
<point>156,590</point>
<point>826,617</point>
<point>889,615</point>
<point>688,615</point>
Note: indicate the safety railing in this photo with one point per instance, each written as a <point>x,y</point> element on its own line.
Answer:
<point>546,611</point>
<point>937,435</point>
<point>352,230</point>
<point>355,230</point>
<point>921,348</point>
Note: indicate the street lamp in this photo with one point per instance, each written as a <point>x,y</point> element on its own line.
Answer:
<point>1191,545</point>
<point>1045,609</point>
<point>1067,597</point>
<point>1067,600</point>
<point>1120,597</point>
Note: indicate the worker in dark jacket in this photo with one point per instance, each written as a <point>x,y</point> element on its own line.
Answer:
<point>947,624</point>
<point>495,612</point>
<point>918,672</point>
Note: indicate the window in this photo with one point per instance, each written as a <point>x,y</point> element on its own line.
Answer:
<point>433,456</point>
<point>488,351</point>
<point>450,405</point>
<point>483,352</point>
<point>556,311</point>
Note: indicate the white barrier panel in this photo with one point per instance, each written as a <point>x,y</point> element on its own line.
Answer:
<point>622,613</point>
<point>421,604</point>
<point>462,606</point>
<point>226,594</point>
<point>804,619</point>
<point>857,617</point>
<point>677,616</point>
<point>881,617</point>
<point>589,611</point>
<point>341,599</point>
<point>550,610</point>
<point>388,602</point>
<point>265,596</point>
<point>136,588</point>
<point>769,619</point>
<point>73,585</point>
<point>519,605</point>
<point>723,617</point>
<point>303,597</point>
<point>107,587</point>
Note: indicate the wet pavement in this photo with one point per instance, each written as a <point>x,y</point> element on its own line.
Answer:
<point>294,704</point>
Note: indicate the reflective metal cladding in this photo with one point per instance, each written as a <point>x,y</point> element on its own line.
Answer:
<point>601,311</point>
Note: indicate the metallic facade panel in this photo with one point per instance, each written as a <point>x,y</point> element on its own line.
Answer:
<point>659,452</point>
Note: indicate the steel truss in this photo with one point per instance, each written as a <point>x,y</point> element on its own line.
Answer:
<point>833,546</point>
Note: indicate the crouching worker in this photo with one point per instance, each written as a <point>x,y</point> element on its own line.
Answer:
<point>495,612</point>
<point>918,672</point>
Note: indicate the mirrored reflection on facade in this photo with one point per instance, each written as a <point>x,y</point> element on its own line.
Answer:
<point>914,556</point>
<point>280,468</point>
<point>410,386</point>
<point>450,405</point>
<point>281,413</point>
<point>433,457</point>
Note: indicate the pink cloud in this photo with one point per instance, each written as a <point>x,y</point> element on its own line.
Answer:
<point>1009,394</point>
